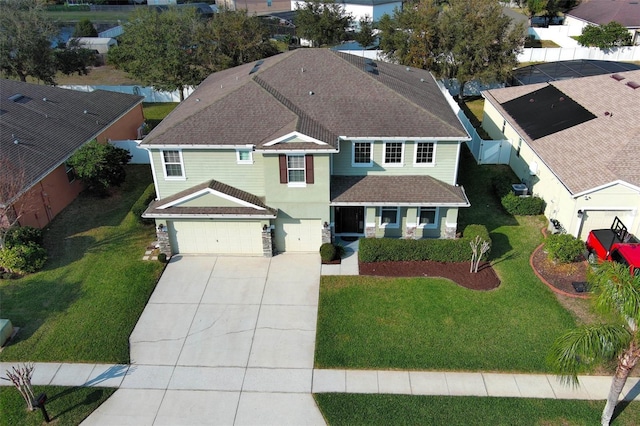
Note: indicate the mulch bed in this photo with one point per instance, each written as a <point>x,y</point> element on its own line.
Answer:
<point>561,277</point>
<point>458,272</point>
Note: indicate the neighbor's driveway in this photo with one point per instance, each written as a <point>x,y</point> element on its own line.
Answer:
<point>223,340</point>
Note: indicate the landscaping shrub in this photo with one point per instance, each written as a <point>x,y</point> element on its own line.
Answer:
<point>522,206</point>
<point>501,185</point>
<point>142,203</point>
<point>438,250</point>
<point>327,252</point>
<point>23,258</point>
<point>162,258</point>
<point>20,235</point>
<point>563,248</point>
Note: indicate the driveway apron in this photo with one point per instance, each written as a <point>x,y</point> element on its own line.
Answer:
<point>223,340</point>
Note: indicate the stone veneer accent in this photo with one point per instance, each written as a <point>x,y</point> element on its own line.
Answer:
<point>410,232</point>
<point>327,235</point>
<point>267,243</point>
<point>370,232</point>
<point>450,232</point>
<point>164,245</point>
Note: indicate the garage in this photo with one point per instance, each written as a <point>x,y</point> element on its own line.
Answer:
<point>216,237</point>
<point>602,219</point>
<point>298,235</point>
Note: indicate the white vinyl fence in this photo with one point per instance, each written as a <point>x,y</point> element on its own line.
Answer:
<point>149,93</point>
<point>138,155</point>
<point>548,54</point>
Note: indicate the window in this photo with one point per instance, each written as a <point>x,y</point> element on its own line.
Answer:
<point>244,156</point>
<point>172,162</point>
<point>362,154</point>
<point>295,168</point>
<point>71,174</point>
<point>427,217</point>
<point>425,153</point>
<point>393,153</point>
<point>389,217</point>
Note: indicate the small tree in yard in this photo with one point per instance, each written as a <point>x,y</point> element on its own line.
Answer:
<point>100,166</point>
<point>606,36</point>
<point>617,293</point>
<point>84,28</point>
<point>21,379</point>
<point>478,248</point>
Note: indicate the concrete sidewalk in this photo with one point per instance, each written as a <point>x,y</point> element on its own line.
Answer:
<point>304,381</point>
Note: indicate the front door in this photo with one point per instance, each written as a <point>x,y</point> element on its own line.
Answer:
<point>349,220</point>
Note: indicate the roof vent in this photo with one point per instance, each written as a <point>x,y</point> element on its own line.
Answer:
<point>16,97</point>
<point>617,77</point>
<point>633,84</point>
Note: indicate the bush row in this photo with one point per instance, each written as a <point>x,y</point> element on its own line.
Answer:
<point>439,250</point>
<point>23,252</point>
<point>142,203</point>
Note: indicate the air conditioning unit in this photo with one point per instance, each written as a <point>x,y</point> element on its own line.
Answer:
<point>520,189</point>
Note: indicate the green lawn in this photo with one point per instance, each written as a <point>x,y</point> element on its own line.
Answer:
<point>95,16</point>
<point>155,112</point>
<point>362,409</point>
<point>84,304</point>
<point>65,405</point>
<point>426,323</point>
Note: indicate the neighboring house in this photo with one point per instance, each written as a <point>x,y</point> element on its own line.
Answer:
<point>42,126</point>
<point>284,153</point>
<point>575,143</point>
<point>259,7</point>
<point>374,9</point>
<point>99,44</point>
<point>601,12</point>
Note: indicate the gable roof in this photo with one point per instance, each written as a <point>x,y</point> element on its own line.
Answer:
<point>593,153</point>
<point>42,126</point>
<point>249,205</point>
<point>395,190</point>
<point>601,12</point>
<point>317,92</point>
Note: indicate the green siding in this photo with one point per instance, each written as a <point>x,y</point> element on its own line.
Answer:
<point>202,165</point>
<point>446,158</point>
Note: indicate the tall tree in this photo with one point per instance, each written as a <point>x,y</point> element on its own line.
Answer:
<point>25,46</point>
<point>411,36</point>
<point>73,58</point>
<point>616,293</point>
<point>606,36</point>
<point>158,48</point>
<point>324,22</point>
<point>100,166</point>
<point>478,42</point>
<point>233,38</point>
<point>85,28</point>
<point>364,36</point>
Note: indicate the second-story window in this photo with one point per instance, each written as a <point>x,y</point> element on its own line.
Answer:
<point>172,162</point>
<point>362,154</point>
<point>424,153</point>
<point>295,168</point>
<point>393,153</point>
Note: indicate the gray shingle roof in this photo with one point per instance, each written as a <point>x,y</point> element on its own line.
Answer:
<point>50,123</point>
<point>317,92</point>
<point>599,151</point>
<point>625,12</point>
<point>154,211</point>
<point>396,190</point>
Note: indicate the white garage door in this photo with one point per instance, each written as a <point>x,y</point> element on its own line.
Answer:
<point>298,235</point>
<point>602,219</point>
<point>200,237</point>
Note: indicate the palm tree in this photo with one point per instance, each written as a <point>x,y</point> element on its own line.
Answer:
<point>617,293</point>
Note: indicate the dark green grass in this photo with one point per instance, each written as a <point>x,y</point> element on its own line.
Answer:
<point>363,409</point>
<point>84,304</point>
<point>155,112</point>
<point>65,405</point>
<point>427,323</point>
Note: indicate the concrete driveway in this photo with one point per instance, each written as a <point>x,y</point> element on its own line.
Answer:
<point>223,340</point>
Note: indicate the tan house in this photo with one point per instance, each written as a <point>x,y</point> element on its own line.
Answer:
<point>40,128</point>
<point>575,143</point>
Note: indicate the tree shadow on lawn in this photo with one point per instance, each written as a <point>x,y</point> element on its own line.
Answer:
<point>59,400</point>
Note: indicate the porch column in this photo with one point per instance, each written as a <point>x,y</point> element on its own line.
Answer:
<point>162,234</point>
<point>267,241</point>
<point>327,234</point>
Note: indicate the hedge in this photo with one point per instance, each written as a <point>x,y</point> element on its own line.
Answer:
<point>438,250</point>
<point>141,205</point>
<point>522,206</point>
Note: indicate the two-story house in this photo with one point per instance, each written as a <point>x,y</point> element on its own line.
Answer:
<point>286,153</point>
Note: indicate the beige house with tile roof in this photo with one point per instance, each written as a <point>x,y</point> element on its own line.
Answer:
<point>291,151</point>
<point>575,143</point>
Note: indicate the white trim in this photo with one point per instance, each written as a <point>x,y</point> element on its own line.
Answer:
<point>174,147</point>
<point>303,182</point>
<point>153,172</point>
<point>211,216</point>
<point>457,166</point>
<point>384,154</point>
<point>389,225</point>
<point>212,192</point>
<point>295,135</point>
<point>606,185</point>
<point>164,165</point>
<point>436,218</point>
<point>406,138</point>
<point>370,225</point>
<point>353,154</point>
<point>239,160</point>
<point>394,204</point>
<point>297,184</point>
<point>433,162</point>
